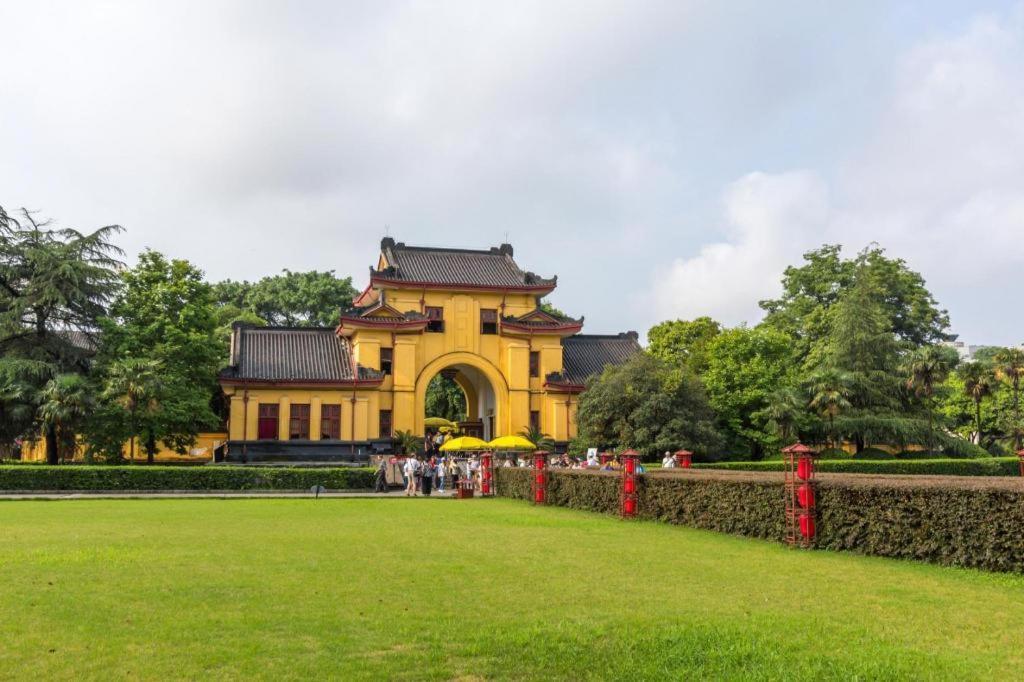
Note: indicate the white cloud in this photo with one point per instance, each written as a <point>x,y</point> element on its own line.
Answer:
<point>770,220</point>
<point>940,184</point>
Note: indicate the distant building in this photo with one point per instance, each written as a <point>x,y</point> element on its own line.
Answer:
<point>471,315</point>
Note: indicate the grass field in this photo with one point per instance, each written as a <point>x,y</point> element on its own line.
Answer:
<point>411,589</point>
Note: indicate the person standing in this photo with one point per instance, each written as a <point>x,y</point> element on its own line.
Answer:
<point>441,474</point>
<point>380,483</point>
<point>668,462</point>
<point>427,476</point>
<point>410,470</point>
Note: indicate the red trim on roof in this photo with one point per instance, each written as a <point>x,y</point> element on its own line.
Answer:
<point>532,329</point>
<point>412,284</point>
<point>301,382</point>
<point>559,387</point>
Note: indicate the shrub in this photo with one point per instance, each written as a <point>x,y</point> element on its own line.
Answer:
<point>156,478</point>
<point>952,521</point>
<point>873,453</point>
<point>990,466</point>
<point>834,453</point>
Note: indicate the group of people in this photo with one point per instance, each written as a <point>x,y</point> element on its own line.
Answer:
<point>422,475</point>
<point>433,441</point>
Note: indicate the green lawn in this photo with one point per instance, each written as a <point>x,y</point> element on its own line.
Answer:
<point>473,590</point>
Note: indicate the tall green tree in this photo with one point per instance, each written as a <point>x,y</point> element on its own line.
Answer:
<point>293,299</point>
<point>647,405</point>
<point>55,284</point>
<point>65,402</point>
<point>683,343</point>
<point>812,289</point>
<point>135,385</point>
<point>977,384</point>
<point>445,398</point>
<point>830,390</point>
<point>165,316</point>
<point>1009,367</point>
<point>925,369</point>
<point>743,368</point>
<point>784,412</point>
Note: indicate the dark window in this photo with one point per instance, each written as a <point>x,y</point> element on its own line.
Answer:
<point>330,422</point>
<point>267,426</point>
<point>488,321</point>
<point>534,363</point>
<point>385,423</point>
<point>436,319</point>
<point>386,357</point>
<point>298,426</point>
<point>535,420</point>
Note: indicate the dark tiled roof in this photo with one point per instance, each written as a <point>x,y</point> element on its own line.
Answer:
<point>293,354</point>
<point>585,355</point>
<point>540,319</point>
<point>494,267</point>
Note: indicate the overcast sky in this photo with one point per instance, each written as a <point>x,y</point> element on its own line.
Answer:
<point>663,159</point>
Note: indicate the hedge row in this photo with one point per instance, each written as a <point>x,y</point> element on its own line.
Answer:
<point>989,466</point>
<point>157,478</point>
<point>956,522</point>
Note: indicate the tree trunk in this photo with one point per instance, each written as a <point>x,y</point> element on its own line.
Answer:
<point>131,449</point>
<point>1016,415</point>
<point>150,448</point>
<point>977,419</point>
<point>52,456</point>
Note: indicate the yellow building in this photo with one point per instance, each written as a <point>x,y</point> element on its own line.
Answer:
<point>328,394</point>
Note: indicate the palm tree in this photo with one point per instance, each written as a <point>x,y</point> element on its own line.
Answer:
<point>409,442</point>
<point>540,439</point>
<point>783,411</point>
<point>978,384</point>
<point>65,401</point>
<point>830,391</point>
<point>134,384</point>
<point>926,368</point>
<point>1009,365</point>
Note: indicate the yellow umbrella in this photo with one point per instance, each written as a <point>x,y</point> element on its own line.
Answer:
<point>511,443</point>
<point>437,422</point>
<point>467,443</point>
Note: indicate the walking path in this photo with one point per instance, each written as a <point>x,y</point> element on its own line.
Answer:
<point>202,494</point>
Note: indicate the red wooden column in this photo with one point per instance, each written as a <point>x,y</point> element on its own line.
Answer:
<point>800,494</point>
<point>486,474</point>
<point>1020,456</point>
<point>540,477</point>
<point>627,496</point>
<point>605,457</point>
<point>683,458</point>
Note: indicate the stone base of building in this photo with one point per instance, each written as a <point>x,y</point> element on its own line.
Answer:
<point>239,452</point>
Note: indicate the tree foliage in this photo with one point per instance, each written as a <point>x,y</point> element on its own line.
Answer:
<point>292,299</point>
<point>445,398</point>
<point>683,343</point>
<point>645,404</point>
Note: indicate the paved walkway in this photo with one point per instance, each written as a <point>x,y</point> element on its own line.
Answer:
<point>191,494</point>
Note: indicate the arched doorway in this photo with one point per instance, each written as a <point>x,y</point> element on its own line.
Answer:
<point>485,391</point>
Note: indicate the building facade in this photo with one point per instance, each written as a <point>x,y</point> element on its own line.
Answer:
<point>472,315</point>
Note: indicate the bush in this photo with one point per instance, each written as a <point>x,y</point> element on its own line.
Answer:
<point>990,466</point>
<point>873,453</point>
<point>834,453</point>
<point>157,478</point>
<point>952,521</point>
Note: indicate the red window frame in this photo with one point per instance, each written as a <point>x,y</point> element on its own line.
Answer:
<point>435,318</point>
<point>488,321</point>
<point>387,360</point>
<point>298,422</point>
<point>534,363</point>
<point>535,419</point>
<point>330,422</point>
<point>266,424</point>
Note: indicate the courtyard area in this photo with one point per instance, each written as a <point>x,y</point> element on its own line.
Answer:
<point>481,589</point>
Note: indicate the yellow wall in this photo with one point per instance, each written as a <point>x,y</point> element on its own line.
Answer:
<point>202,450</point>
<point>417,358</point>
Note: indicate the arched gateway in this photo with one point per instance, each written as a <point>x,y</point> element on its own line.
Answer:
<point>342,392</point>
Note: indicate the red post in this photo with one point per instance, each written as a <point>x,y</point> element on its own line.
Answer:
<point>540,477</point>
<point>605,457</point>
<point>627,496</point>
<point>800,494</point>
<point>486,474</point>
<point>683,458</point>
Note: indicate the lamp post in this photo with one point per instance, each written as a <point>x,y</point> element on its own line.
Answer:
<point>800,494</point>
<point>628,496</point>
<point>486,474</point>
<point>540,476</point>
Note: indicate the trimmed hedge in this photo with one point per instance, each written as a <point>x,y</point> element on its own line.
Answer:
<point>989,466</point>
<point>968,522</point>
<point>157,478</point>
